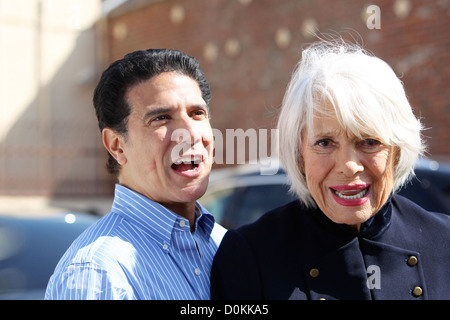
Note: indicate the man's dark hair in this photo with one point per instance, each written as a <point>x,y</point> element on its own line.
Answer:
<point>109,100</point>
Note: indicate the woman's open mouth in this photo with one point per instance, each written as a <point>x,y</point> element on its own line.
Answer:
<point>351,195</point>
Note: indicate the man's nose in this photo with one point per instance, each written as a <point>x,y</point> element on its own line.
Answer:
<point>187,131</point>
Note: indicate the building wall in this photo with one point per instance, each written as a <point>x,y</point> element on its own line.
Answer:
<point>248,49</point>
<point>50,62</point>
<point>49,140</point>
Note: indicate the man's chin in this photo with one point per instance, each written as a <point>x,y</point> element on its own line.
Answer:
<point>191,191</point>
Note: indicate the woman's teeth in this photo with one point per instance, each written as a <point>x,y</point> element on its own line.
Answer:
<point>359,195</point>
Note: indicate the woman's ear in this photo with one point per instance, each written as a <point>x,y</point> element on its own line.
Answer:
<point>114,143</point>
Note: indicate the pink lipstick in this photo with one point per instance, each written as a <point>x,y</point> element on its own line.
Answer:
<point>351,194</point>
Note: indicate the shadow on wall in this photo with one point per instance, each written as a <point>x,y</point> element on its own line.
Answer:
<point>54,149</point>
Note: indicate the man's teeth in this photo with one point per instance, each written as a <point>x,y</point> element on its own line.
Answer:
<point>356,196</point>
<point>186,165</point>
<point>188,161</point>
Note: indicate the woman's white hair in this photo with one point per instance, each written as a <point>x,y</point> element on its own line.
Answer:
<point>367,98</point>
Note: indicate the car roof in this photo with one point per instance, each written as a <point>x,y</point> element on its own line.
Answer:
<point>30,247</point>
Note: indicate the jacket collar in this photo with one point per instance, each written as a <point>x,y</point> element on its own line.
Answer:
<point>377,224</point>
<point>374,226</point>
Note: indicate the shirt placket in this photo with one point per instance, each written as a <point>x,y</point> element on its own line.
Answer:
<point>187,256</point>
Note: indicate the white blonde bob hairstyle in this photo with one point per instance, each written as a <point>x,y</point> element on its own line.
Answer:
<point>366,97</point>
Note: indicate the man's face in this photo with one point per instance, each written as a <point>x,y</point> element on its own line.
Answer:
<point>167,152</point>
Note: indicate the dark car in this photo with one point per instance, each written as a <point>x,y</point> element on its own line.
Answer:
<point>30,248</point>
<point>240,195</point>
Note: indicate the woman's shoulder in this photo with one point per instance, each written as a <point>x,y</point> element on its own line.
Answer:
<point>282,213</point>
<point>275,223</point>
<point>412,212</point>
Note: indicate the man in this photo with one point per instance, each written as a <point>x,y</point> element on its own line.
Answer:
<point>157,242</point>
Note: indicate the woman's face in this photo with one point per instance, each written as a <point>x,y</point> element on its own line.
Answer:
<point>350,178</point>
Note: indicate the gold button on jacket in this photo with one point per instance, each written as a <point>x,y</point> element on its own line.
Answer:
<point>417,291</point>
<point>412,261</point>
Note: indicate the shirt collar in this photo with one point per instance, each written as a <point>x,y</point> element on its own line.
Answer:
<point>153,218</point>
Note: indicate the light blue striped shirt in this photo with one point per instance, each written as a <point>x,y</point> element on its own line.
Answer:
<point>140,250</point>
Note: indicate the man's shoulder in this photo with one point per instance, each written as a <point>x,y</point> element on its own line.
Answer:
<point>100,244</point>
<point>98,255</point>
<point>217,233</point>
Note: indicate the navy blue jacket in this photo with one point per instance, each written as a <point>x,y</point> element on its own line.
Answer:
<point>403,252</point>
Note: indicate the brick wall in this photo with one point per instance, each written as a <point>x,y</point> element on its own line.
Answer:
<point>248,50</point>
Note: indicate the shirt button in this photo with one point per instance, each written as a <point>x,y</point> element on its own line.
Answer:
<point>182,223</point>
<point>197,271</point>
<point>417,291</point>
<point>412,261</point>
<point>314,273</point>
<point>165,246</point>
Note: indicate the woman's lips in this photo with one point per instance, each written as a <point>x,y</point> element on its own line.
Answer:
<point>351,195</point>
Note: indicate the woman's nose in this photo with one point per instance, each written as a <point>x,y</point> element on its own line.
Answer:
<point>348,162</point>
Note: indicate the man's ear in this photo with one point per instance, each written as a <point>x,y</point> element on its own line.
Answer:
<point>114,143</point>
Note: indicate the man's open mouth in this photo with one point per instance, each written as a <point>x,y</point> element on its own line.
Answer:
<point>187,164</point>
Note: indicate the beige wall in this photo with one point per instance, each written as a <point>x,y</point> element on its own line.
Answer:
<point>49,140</point>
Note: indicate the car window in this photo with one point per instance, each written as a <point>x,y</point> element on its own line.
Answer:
<point>430,190</point>
<point>252,202</point>
<point>217,202</point>
<point>30,250</point>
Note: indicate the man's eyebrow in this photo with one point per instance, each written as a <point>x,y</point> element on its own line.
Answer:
<point>157,111</point>
<point>161,110</point>
<point>200,106</point>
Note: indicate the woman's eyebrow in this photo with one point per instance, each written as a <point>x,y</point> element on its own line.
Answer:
<point>327,133</point>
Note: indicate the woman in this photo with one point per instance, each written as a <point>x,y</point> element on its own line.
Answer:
<point>348,142</point>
